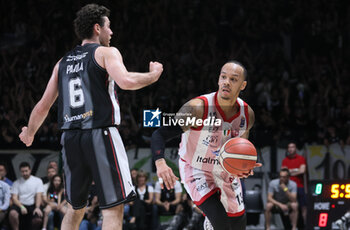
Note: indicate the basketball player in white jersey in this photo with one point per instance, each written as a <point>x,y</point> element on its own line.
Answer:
<point>84,81</point>
<point>217,193</point>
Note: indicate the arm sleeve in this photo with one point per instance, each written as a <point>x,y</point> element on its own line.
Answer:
<point>293,188</point>
<point>157,188</point>
<point>270,189</point>
<point>40,186</point>
<point>7,196</point>
<point>14,188</point>
<point>160,137</point>
<point>150,189</point>
<point>178,187</point>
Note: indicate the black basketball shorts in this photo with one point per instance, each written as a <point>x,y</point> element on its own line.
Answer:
<point>98,155</point>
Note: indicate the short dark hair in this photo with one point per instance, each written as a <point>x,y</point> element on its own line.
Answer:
<point>285,170</point>
<point>3,164</point>
<point>87,17</point>
<point>24,164</point>
<point>245,73</point>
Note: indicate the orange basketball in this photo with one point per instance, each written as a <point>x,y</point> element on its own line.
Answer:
<point>237,156</point>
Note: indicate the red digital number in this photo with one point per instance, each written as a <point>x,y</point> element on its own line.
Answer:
<point>322,221</point>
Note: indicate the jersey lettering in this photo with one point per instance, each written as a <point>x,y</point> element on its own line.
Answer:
<point>74,68</point>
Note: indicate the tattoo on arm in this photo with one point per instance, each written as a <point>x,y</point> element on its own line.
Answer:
<point>192,108</point>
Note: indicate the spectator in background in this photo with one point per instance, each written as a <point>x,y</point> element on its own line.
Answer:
<point>3,173</point>
<point>332,136</point>
<point>296,164</point>
<point>285,66</point>
<point>51,171</point>
<point>143,205</point>
<point>282,198</point>
<point>92,212</point>
<point>27,197</point>
<point>5,196</point>
<point>134,173</point>
<point>54,165</point>
<point>191,216</point>
<point>56,202</point>
<point>168,201</point>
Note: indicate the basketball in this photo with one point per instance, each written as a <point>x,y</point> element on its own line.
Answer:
<point>237,156</point>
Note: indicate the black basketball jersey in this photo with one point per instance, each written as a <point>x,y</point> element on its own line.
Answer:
<point>87,95</point>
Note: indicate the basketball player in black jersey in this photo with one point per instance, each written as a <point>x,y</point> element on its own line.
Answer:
<point>84,81</point>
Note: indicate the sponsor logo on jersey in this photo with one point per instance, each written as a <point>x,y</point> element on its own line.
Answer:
<point>76,57</point>
<point>235,184</point>
<point>213,129</point>
<point>205,142</point>
<point>202,186</point>
<point>194,180</point>
<point>216,152</point>
<point>79,116</point>
<point>207,160</point>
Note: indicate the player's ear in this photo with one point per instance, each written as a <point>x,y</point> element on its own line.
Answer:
<point>97,28</point>
<point>244,84</point>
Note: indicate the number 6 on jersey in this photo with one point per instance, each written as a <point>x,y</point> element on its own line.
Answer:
<point>76,94</point>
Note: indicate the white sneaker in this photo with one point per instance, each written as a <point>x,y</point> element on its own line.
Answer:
<point>207,225</point>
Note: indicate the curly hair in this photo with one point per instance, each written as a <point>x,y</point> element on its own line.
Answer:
<point>87,17</point>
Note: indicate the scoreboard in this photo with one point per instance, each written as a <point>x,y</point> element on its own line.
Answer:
<point>328,201</point>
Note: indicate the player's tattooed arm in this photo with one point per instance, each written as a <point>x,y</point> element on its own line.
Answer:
<point>250,122</point>
<point>192,108</point>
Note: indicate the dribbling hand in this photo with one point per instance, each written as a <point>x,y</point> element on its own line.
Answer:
<point>25,138</point>
<point>165,173</point>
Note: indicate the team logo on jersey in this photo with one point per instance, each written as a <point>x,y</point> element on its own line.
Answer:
<point>151,118</point>
<point>242,122</point>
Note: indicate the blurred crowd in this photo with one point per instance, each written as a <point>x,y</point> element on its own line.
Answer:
<point>36,203</point>
<point>295,53</point>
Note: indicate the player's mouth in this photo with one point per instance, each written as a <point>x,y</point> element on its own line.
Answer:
<point>226,90</point>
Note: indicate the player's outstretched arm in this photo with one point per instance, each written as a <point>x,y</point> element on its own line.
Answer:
<point>111,59</point>
<point>193,108</point>
<point>41,109</point>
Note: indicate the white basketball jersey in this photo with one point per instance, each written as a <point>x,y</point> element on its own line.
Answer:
<point>200,147</point>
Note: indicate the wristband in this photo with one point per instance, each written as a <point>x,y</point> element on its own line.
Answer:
<point>285,189</point>
<point>22,207</point>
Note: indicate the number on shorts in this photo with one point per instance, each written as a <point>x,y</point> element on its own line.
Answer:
<point>76,94</point>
